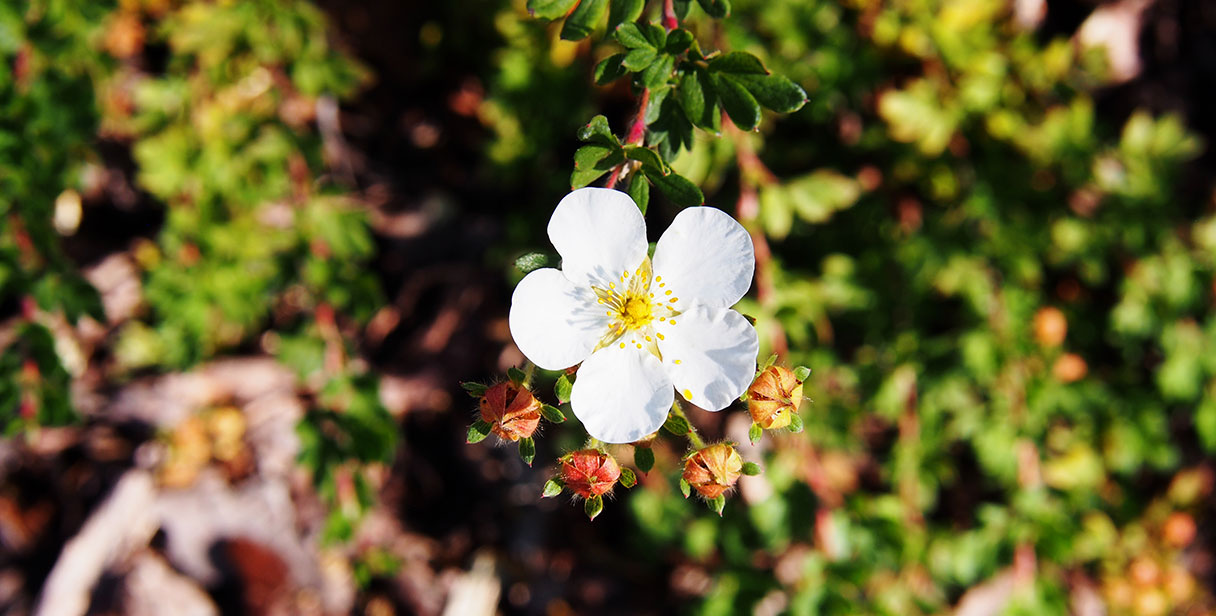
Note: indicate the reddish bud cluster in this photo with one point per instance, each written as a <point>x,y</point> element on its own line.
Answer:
<point>774,397</point>
<point>713,470</point>
<point>511,410</point>
<point>589,472</point>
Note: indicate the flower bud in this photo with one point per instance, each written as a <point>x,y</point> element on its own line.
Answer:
<point>774,397</point>
<point>589,472</point>
<point>713,470</point>
<point>511,410</point>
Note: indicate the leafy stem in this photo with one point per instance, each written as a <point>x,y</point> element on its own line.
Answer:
<point>693,438</point>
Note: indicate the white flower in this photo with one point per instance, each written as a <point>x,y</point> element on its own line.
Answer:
<point>641,329</point>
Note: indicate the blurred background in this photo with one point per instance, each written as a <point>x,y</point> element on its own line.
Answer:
<point>249,249</point>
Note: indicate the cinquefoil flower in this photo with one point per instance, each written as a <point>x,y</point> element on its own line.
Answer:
<point>642,329</point>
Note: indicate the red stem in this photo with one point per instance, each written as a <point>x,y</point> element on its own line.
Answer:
<point>636,133</point>
<point>669,16</point>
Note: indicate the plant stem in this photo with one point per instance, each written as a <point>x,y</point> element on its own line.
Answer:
<point>637,131</point>
<point>669,16</point>
<point>693,437</point>
<point>529,370</point>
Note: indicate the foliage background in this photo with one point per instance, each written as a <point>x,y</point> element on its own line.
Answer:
<point>996,254</point>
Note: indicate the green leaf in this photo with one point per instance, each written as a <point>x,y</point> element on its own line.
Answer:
<point>676,425</point>
<point>527,450</point>
<point>685,489</point>
<point>649,158</point>
<point>677,188</point>
<point>659,72</point>
<point>691,96</point>
<point>768,363</point>
<point>715,8</point>
<point>739,104</point>
<point>681,8</point>
<point>801,373</point>
<point>550,9</point>
<point>552,413</point>
<point>630,35</point>
<point>639,59</point>
<point>655,109</point>
<point>656,34</point>
<point>643,458</point>
<point>562,388</point>
<point>754,433</point>
<point>609,69</point>
<point>533,261</point>
<point>795,423</point>
<point>593,506</point>
<point>628,479</point>
<point>751,468</point>
<point>717,504</point>
<point>623,11</point>
<point>775,92</point>
<point>516,375</point>
<point>478,432</point>
<point>639,191</point>
<point>598,131</point>
<point>738,63</point>
<point>582,22</point>
<point>678,41</point>
<point>476,390</point>
<point>593,161</point>
<point>552,488</point>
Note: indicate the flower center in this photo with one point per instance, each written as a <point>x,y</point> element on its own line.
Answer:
<point>636,313</point>
<point>631,304</point>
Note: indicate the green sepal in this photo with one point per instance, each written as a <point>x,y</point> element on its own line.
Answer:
<point>754,433</point>
<point>476,390</point>
<point>685,489</point>
<point>552,488</point>
<point>550,9</point>
<point>751,468</point>
<point>622,11</point>
<point>643,458</point>
<point>739,104</point>
<point>796,425</point>
<point>715,8</point>
<point>639,191</point>
<point>750,319</point>
<point>533,261</point>
<point>775,92</point>
<point>478,432</point>
<point>677,188</point>
<point>738,63</point>
<point>801,373</point>
<point>609,69</point>
<point>516,376</point>
<point>581,23</point>
<point>562,388</point>
<point>676,425</point>
<point>627,478</point>
<point>768,363</point>
<point>527,450</point>
<point>717,504</point>
<point>552,413</point>
<point>593,506</point>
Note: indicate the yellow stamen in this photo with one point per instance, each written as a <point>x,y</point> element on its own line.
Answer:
<point>688,395</point>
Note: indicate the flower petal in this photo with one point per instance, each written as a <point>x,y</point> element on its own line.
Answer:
<point>599,233</point>
<point>555,323</point>
<point>704,256</point>
<point>621,395</point>
<point>710,354</point>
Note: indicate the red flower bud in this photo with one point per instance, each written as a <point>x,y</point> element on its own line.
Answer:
<point>512,411</point>
<point>774,397</point>
<point>713,470</point>
<point>589,472</point>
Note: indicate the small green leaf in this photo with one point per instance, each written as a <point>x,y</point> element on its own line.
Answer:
<point>550,9</point>
<point>639,59</point>
<point>717,504</point>
<point>630,35</point>
<point>582,22</point>
<point>775,92</point>
<point>801,373</point>
<point>552,413</point>
<point>649,158</point>
<point>676,425</point>
<point>609,69</point>
<point>691,96</point>
<point>681,8</point>
<point>478,432</point>
<point>677,188</point>
<point>562,388</point>
<point>598,131</point>
<point>795,423</point>
<point>643,458</point>
<point>593,161</point>
<point>738,63</point>
<point>751,468</point>
<point>768,363</point>
<point>678,41</point>
<point>754,433</point>
<point>739,104</point>
<point>715,8</point>
<point>656,34</point>
<point>622,11</point>
<point>527,450</point>
<point>658,72</point>
<point>553,487</point>
<point>654,110</point>
<point>639,191</point>
<point>685,489</point>
<point>516,375</point>
<point>628,479</point>
<point>533,261</point>
<point>476,390</point>
<point>593,506</point>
